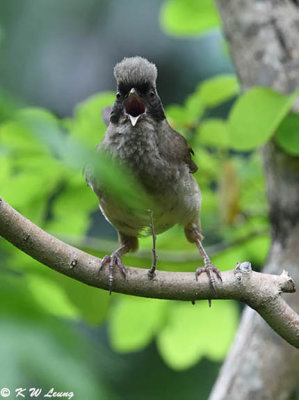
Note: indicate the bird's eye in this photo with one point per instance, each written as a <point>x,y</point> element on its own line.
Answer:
<point>118,95</point>
<point>152,94</point>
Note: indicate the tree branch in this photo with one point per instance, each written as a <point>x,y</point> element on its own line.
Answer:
<point>260,291</point>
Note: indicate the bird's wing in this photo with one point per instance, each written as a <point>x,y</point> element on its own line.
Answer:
<point>182,151</point>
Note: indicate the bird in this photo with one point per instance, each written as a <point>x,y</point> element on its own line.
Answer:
<point>140,138</point>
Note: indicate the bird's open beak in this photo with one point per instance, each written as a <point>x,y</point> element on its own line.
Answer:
<point>134,106</point>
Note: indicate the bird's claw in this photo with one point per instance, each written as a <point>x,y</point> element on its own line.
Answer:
<point>151,272</point>
<point>210,270</point>
<point>114,260</point>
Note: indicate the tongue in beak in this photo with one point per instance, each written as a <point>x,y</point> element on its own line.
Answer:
<point>134,107</point>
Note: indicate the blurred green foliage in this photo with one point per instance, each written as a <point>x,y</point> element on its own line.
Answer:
<point>255,117</point>
<point>41,175</point>
<point>41,161</point>
<point>189,17</point>
<point>287,135</point>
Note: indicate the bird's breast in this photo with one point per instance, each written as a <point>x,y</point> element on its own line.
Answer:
<point>171,186</point>
<point>138,147</point>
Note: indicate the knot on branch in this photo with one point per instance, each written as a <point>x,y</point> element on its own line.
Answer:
<point>73,263</point>
<point>286,283</point>
<point>243,271</point>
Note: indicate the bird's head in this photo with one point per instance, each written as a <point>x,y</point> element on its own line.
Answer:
<point>136,91</point>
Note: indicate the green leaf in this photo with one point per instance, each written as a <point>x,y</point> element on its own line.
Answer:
<point>16,300</point>
<point>219,89</point>
<point>176,115</point>
<point>134,322</point>
<point>194,107</point>
<point>189,17</point>
<point>44,126</point>
<point>208,165</point>
<point>193,332</point>
<point>184,118</point>
<point>5,171</point>
<point>71,208</point>
<point>92,303</point>
<point>17,138</point>
<point>49,133</point>
<point>88,127</point>
<point>24,188</point>
<point>78,301</point>
<point>124,190</point>
<point>30,165</point>
<point>287,135</point>
<point>254,249</point>
<point>251,176</point>
<point>51,297</point>
<point>255,116</point>
<point>50,353</point>
<point>213,132</point>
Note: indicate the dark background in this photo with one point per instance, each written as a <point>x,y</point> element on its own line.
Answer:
<point>56,53</point>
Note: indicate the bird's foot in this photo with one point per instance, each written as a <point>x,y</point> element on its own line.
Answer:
<point>211,271</point>
<point>152,272</point>
<point>114,261</point>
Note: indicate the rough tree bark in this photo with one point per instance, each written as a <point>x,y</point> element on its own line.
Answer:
<point>263,37</point>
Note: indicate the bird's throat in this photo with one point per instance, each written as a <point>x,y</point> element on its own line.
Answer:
<point>134,107</point>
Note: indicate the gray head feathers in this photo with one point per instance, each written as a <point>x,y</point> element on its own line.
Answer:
<point>135,70</point>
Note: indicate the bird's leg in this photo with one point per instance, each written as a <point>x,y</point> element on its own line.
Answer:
<point>208,268</point>
<point>128,243</point>
<point>193,234</point>
<point>114,260</point>
<point>152,270</point>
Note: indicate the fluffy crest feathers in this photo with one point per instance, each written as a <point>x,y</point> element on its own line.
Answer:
<point>135,70</point>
